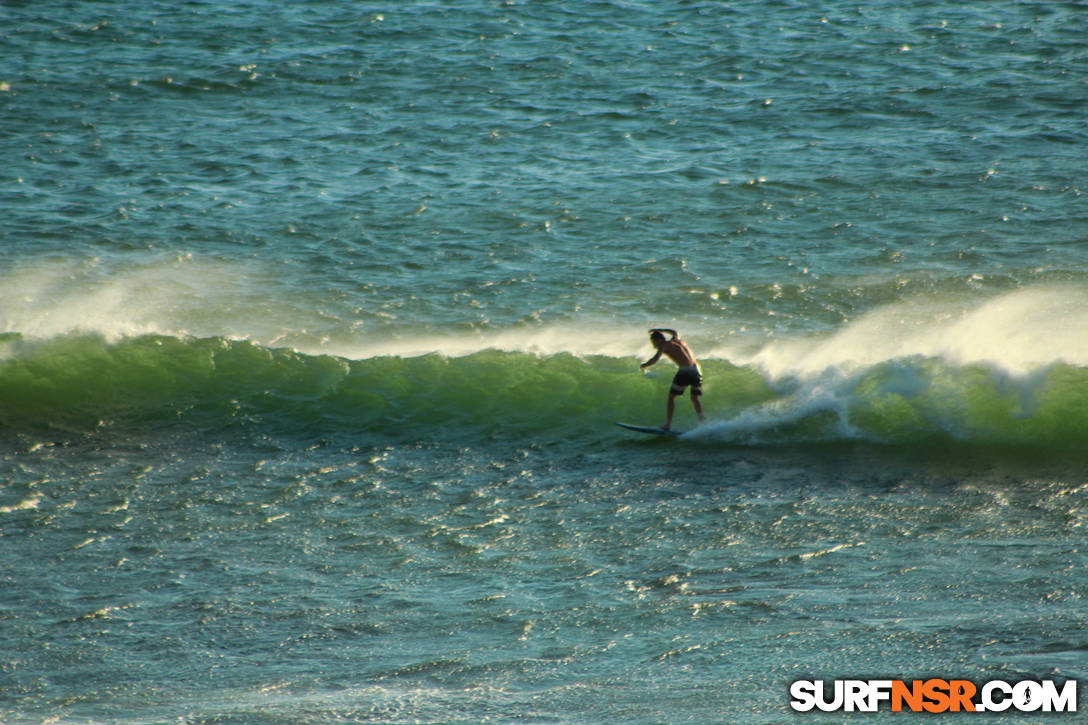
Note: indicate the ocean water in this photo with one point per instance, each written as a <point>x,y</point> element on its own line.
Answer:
<point>315,320</point>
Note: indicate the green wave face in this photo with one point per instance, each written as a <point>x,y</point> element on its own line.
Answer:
<point>84,383</point>
<point>918,399</point>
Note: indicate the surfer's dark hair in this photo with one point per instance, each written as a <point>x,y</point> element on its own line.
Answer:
<point>656,335</point>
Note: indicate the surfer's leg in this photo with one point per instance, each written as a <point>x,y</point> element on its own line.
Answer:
<point>698,405</point>
<point>669,410</point>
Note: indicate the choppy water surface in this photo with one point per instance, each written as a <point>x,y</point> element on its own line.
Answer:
<point>315,321</point>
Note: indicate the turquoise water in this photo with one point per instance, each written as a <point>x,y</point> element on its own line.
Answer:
<point>315,320</point>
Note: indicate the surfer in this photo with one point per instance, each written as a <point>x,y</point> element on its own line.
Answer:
<point>689,373</point>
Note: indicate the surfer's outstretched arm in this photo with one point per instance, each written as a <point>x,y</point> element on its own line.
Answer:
<point>651,361</point>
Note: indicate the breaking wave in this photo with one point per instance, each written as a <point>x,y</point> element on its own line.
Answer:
<point>86,383</point>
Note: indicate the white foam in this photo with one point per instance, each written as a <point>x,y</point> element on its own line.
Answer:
<point>62,296</point>
<point>1015,334</point>
<point>183,295</point>
<point>178,295</point>
<point>828,394</point>
<point>1017,331</point>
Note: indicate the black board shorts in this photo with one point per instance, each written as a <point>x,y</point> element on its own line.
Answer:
<point>687,376</point>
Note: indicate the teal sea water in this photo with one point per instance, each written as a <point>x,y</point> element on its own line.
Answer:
<point>316,319</point>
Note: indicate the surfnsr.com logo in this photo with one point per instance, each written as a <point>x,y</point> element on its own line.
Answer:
<point>933,695</point>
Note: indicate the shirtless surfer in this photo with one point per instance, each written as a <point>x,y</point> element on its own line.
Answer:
<point>689,373</point>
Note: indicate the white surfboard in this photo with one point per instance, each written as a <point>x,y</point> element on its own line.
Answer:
<point>652,430</point>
